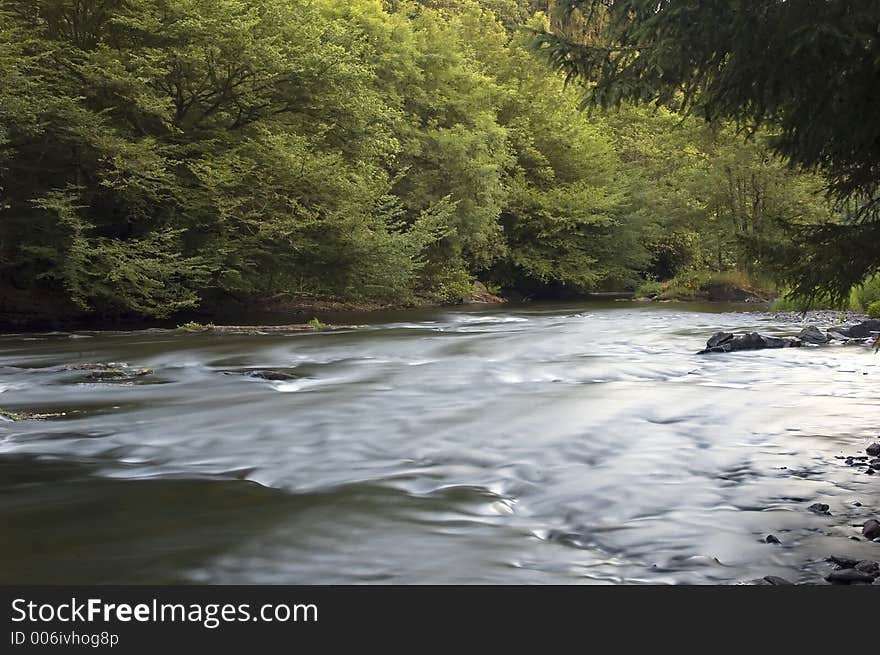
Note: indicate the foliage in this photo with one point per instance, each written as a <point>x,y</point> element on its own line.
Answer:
<point>806,71</point>
<point>866,294</point>
<point>154,153</point>
<point>194,326</point>
<point>709,285</point>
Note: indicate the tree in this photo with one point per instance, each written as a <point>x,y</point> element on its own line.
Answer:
<point>809,68</point>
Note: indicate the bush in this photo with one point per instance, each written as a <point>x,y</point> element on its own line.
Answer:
<point>867,294</point>
<point>452,286</point>
<point>874,309</point>
<point>789,303</point>
<point>701,284</point>
<point>649,289</point>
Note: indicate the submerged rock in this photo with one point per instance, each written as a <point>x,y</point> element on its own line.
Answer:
<point>771,539</point>
<point>276,376</point>
<point>93,366</point>
<point>117,374</point>
<point>819,508</point>
<point>112,371</point>
<point>8,416</point>
<point>721,343</point>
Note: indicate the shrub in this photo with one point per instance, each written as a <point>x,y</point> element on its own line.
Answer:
<point>874,309</point>
<point>868,293</point>
<point>649,289</point>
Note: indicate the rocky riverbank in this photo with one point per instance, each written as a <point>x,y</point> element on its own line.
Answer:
<point>865,332</point>
<point>862,331</point>
<point>846,570</point>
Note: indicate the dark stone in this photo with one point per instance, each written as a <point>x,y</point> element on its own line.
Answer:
<point>814,335</point>
<point>857,504</point>
<point>116,374</point>
<point>776,342</point>
<point>776,580</point>
<point>875,464</point>
<point>869,471</point>
<point>718,338</point>
<point>871,529</point>
<point>849,576</point>
<point>837,334</point>
<point>867,566</point>
<point>819,508</point>
<point>771,539</point>
<point>278,376</point>
<point>873,450</point>
<point>752,341</point>
<point>844,562</point>
<point>861,330</point>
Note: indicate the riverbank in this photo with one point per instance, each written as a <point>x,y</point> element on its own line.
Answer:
<point>42,314</point>
<point>710,286</point>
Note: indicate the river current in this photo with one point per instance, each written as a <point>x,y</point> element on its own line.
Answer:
<point>565,443</point>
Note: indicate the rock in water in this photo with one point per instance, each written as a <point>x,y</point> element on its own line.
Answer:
<point>718,338</point>
<point>849,576</point>
<point>819,508</point>
<point>771,539</point>
<point>814,335</point>
<point>867,566</point>
<point>776,580</point>
<point>279,376</point>
<point>721,343</point>
<point>873,450</point>
<point>861,330</point>
<point>871,529</point>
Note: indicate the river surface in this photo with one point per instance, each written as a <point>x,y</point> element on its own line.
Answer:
<point>568,443</point>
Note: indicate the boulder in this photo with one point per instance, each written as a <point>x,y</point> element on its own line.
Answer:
<point>871,529</point>
<point>776,580</point>
<point>723,342</point>
<point>844,562</point>
<point>867,566</point>
<point>813,335</point>
<point>873,450</point>
<point>860,330</point>
<point>718,338</point>
<point>849,576</point>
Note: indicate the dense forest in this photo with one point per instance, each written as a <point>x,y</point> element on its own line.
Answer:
<point>163,156</point>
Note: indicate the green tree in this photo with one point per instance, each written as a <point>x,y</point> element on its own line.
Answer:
<point>808,69</point>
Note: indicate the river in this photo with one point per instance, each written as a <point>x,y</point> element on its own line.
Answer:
<point>565,443</point>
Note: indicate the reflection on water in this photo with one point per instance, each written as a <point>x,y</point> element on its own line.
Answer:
<point>545,444</point>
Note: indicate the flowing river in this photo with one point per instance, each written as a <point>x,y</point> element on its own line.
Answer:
<point>566,443</point>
